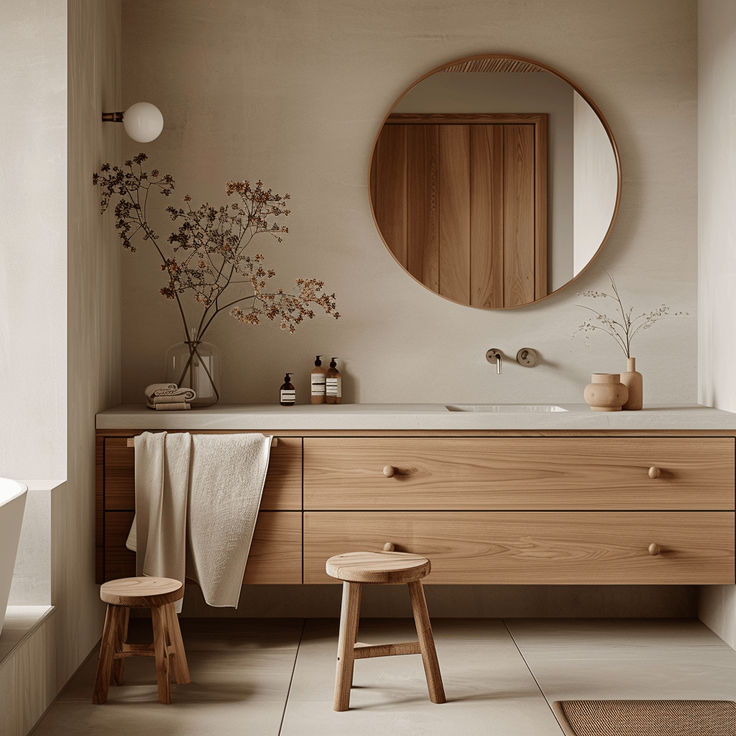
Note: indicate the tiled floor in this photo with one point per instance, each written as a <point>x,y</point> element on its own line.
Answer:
<point>269,678</point>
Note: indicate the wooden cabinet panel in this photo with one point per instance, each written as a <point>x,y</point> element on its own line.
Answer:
<point>486,216</point>
<point>603,548</point>
<point>518,220</point>
<point>119,561</point>
<point>388,188</point>
<point>461,202</point>
<point>423,207</point>
<point>454,207</point>
<point>275,554</point>
<point>283,489</point>
<point>527,473</point>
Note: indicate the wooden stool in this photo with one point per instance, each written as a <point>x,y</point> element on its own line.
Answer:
<point>381,568</point>
<point>158,594</point>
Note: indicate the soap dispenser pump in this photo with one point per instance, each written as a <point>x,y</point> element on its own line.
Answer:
<point>318,383</point>
<point>333,384</point>
<point>287,394</point>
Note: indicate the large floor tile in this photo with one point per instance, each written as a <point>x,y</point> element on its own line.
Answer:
<point>489,688</point>
<point>240,678</point>
<point>627,659</point>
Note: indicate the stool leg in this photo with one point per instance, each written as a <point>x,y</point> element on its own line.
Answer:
<point>349,617</point>
<point>121,636</point>
<point>160,653</point>
<point>113,616</point>
<point>180,667</point>
<point>426,642</point>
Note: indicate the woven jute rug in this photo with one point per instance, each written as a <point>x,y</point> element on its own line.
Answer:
<point>646,717</point>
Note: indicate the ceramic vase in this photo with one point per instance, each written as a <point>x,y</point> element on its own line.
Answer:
<point>605,392</point>
<point>633,380</point>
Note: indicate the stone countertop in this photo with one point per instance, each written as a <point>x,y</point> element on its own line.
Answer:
<point>270,417</point>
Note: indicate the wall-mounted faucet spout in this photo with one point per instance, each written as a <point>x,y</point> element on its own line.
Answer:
<point>494,354</point>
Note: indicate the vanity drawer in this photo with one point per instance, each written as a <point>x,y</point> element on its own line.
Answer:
<point>477,473</point>
<point>282,492</point>
<point>275,554</point>
<point>571,548</point>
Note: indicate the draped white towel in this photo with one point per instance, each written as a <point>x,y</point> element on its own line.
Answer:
<point>197,500</point>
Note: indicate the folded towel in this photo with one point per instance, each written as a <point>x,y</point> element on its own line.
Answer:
<point>214,506</point>
<point>172,399</point>
<point>151,389</point>
<point>226,484</point>
<point>168,390</point>
<point>168,405</point>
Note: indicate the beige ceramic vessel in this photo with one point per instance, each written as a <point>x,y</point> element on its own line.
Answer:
<point>633,380</point>
<point>605,392</point>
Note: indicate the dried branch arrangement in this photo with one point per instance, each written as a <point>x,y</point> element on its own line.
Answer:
<point>625,324</point>
<point>208,250</point>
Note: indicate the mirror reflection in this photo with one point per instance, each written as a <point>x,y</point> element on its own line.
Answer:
<point>494,182</point>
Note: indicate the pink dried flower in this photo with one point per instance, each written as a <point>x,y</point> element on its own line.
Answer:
<point>208,247</point>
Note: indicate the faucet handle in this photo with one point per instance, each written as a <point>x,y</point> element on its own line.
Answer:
<point>527,357</point>
<point>494,355</point>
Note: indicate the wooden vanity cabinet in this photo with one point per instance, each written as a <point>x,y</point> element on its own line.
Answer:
<point>529,510</point>
<point>487,509</point>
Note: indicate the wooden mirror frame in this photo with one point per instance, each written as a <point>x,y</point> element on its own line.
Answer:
<point>576,88</point>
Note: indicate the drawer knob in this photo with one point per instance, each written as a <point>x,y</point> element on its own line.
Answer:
<point>388,547</point>
<point>389,470</point>
<point>654,472</point>
<point>654,549</point>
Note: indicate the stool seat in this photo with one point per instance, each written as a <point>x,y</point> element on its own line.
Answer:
<point>144,592</point>
<point>385,568</point>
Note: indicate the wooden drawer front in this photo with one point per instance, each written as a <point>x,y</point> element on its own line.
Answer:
<point>119,560</point>
<point>282,492</point>
<point>474,473</point>
<point>275,555</point>
<point>501,547</point>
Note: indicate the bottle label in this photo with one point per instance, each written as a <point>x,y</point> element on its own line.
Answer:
<point>334,387</point>
<point>318,384</point>
<point>288,394</point>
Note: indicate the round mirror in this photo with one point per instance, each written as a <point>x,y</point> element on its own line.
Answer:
<point>494,181</point>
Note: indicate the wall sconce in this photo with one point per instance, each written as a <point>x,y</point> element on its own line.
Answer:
<point>143,122</point>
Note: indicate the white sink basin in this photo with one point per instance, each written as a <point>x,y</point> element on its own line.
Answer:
<point>506,408</point>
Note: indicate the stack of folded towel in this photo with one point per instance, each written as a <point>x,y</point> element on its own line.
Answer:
<point>168,397</point>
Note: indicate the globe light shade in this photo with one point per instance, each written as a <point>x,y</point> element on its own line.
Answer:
<point>143,122</point>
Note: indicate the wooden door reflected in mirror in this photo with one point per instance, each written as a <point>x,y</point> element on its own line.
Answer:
<point>460,175</point>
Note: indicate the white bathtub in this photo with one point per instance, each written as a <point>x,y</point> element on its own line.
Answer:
<point>12,505</point>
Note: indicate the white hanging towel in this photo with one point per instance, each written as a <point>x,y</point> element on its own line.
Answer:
<point>158,533</point>
<point>225,488</point>
<point>197,500</point>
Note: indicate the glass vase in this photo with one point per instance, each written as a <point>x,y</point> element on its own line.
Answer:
<point>195,364</point>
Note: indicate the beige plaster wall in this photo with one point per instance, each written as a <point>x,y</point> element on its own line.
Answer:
<point>94,322</point>
<point>717,244</point>
<point>294,93</point>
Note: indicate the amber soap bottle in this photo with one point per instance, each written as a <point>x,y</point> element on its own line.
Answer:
<point>333,384</point>
<point>287,394</point>
<point>317,383</point>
